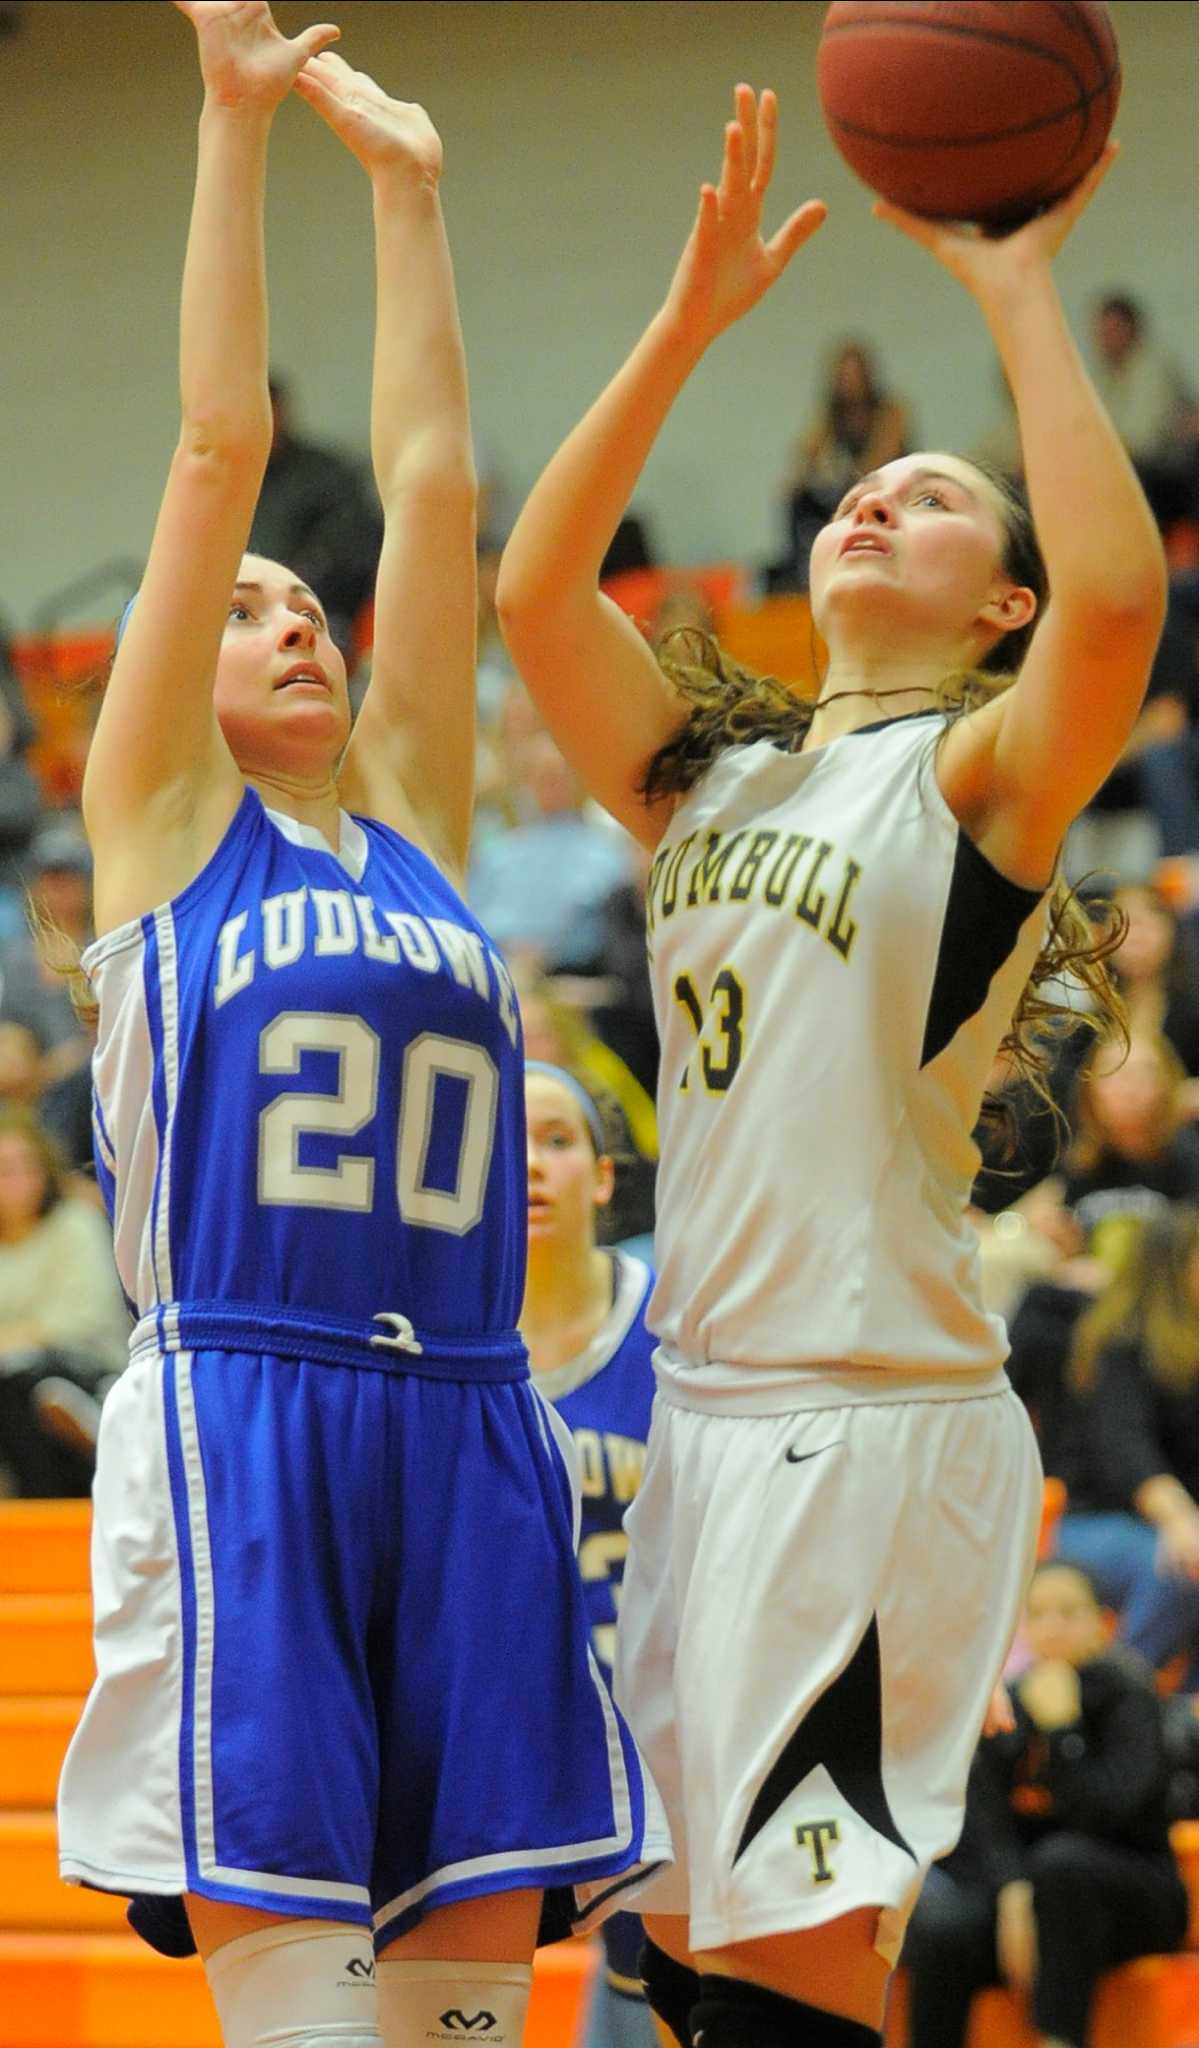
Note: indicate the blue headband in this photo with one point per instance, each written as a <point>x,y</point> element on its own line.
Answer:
<point>590,1112</point>
<point>123,621</point>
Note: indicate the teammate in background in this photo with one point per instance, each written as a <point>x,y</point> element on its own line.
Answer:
<point>328,1499</point>
<point>849,912</point>
<point>583,1321</point>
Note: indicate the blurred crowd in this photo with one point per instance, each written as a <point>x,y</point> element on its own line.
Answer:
<point>1087,1201</point>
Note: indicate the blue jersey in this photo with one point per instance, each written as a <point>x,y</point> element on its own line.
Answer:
<point>309,1100</point>
<point>605,1395</point>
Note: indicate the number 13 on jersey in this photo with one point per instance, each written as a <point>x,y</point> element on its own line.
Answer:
<point>719,1029</point>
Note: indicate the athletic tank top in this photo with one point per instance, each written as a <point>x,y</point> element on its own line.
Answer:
<point>834,967</point>
<point>605,1394</point>
<point>309,1102</point>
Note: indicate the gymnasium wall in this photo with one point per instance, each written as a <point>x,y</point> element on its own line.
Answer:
<point>576,136</point>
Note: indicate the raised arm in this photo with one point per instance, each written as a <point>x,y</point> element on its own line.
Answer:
<point>1018,772</point>
<point>598,685</point>
<point>412,755</point>
<point>160,783</point>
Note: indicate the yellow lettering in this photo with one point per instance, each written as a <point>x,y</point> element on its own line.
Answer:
<point>811,906</point>
<point>842,931</point>
<point>747,873</point>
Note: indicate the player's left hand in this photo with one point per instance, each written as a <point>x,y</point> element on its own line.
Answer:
<point>726,267</point>
<point>244,60</point>
<point>1051,1694</point>
<point>977,258</point>
<point>380,131</point>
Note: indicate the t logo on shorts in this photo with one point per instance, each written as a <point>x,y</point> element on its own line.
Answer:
<point>818,1834</point>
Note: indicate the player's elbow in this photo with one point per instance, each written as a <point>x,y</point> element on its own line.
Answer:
<point>434,470</point>
<point>1128,619</point>
<point>220,451</point>
<point>529,603</point>
<point>1131,598</point>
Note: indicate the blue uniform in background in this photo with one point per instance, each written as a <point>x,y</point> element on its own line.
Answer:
<point>605,1396</point>
<point>339,1628</point>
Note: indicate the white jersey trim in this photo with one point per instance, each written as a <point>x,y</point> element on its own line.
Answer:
<point>352,848</point>
<point>717,1389</point>
<point>632,1280</point>
<point>205,1636</point>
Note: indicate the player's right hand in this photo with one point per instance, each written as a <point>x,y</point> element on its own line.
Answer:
<point>379,130</point>
<point>245,63</point>
<point>726,267</point>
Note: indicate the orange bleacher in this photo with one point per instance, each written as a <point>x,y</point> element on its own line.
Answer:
<point>71,1974</point>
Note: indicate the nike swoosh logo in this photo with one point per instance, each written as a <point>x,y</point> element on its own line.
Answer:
<point>795,1457</point>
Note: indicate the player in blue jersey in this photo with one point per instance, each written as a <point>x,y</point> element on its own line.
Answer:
<point>583,1321</point>
<point>850,912</point>
<point>339,1626</point>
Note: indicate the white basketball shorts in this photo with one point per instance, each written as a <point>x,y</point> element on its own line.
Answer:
<point>816,1608</point>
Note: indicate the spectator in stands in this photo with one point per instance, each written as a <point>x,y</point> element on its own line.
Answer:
<point>1134,1144</point>
<point>20,797</point>
<point>1149,404</point>
<point>539,888</point>
<point>316,513</point>
<point>1165,758</point>
<point>1056,1248</point>
<point>1064,1868</point>
<point>62,1316</point>
<point>1149,805</point>
<point>1133,1151</point>
<point>1156,968</point>
<point>1133,1519</point>
<point>20,1064</point>
<point>622,1005</point>
<point>859,426</point>
<point>37,967</point>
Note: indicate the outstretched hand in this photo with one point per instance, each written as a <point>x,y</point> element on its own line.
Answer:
<point>978,259</point>
<point>378,130</point>
<point>726,267</point>
<point>244,60</point>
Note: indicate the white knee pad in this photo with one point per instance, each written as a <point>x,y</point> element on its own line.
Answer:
<point>303,1984</point>
<point>482,2005</point>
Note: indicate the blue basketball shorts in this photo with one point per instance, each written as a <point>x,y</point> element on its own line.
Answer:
<point>343,1666</point>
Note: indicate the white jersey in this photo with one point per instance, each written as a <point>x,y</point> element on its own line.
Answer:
<point>834,966</point>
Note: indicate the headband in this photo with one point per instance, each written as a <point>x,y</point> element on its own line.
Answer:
<point>590,1112</point>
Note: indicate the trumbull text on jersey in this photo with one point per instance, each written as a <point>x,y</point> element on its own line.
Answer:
<point>785,870</point>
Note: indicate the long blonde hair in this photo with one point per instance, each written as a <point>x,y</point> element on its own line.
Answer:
<point>1150,1303</point>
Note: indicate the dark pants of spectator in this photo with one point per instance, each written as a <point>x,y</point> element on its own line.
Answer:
<point>1095,1906</point>
<point>1169,778</point>
<point>38,1465</point>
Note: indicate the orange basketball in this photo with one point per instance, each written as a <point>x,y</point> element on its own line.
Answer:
<point>982,110</point>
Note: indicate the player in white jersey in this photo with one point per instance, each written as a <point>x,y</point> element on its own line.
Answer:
<point>847,907</point>
<point>340,1631</point>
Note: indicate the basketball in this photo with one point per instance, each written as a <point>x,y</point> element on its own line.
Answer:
<point>979,110</point>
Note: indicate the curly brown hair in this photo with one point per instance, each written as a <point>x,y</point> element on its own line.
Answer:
<point>1070,985</point>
